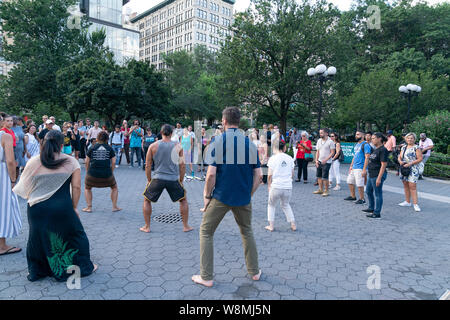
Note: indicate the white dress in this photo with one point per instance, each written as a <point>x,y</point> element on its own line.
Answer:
<point>33,147</point>
<point>10,219</point>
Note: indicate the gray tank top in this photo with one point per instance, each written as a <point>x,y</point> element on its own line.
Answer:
<point>165,168</point>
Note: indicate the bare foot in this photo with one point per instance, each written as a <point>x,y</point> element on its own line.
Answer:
<point>116,209</point>
<point>88,209</point>
<point>293,227</point>
<point>198,279</point>
<point>95,268</point>
<point>257,276</point>
<point>269,228</point>
<point>145,229</point>
<point>189,228</point>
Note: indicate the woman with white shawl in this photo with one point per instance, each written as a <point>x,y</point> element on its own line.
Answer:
<point>57,239</point>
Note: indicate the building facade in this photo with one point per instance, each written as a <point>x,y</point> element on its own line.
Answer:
<point>107,15</point>
<point>175,25</point>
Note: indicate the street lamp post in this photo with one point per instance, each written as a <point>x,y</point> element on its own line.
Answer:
<point>409,91</point>
<point>321,74</point>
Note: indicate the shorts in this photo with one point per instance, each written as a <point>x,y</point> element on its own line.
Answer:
<point>93,182</point>
<point>156,187</point>
<point>323,171</point>
<point>355,177</point>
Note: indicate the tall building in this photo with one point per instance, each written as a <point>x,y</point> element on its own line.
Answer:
<point>107,15</point>
<point>175,25</point>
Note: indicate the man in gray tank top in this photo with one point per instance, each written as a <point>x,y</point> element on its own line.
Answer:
<point>169,169</point>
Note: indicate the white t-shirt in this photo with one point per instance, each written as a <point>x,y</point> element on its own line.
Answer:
<point>324,149</point>
<point>425,144</point>
<point>281,165</point>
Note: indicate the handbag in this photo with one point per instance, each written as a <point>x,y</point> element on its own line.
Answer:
<point>341,157</point>
<point>309,157</point>
<point>405,171</point>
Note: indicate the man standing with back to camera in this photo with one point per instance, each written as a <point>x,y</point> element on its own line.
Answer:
<point>170,169</point>
<point>232,178</point>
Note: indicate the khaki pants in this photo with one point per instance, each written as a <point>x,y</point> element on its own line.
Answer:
<point>211,219</point>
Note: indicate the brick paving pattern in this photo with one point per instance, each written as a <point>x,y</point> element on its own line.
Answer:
<point>327,258</point>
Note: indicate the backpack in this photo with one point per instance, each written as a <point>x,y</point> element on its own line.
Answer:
<point>112,135</point>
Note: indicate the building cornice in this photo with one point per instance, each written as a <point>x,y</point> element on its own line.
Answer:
<point>162,5</point>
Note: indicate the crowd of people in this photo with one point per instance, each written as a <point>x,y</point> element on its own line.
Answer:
<point>42,165</point>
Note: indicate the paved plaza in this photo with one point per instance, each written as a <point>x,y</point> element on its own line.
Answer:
<point>327,258</point>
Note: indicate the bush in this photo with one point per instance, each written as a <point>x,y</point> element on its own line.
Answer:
<point>437,170</point>
<point>437,127</point>
<point>439,158</point>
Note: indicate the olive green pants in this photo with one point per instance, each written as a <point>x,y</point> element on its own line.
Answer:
<point>214,214</point>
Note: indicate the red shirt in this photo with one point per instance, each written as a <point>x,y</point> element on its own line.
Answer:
<point>302,150</point>
<point>126,139</point>
<point>11,133</point>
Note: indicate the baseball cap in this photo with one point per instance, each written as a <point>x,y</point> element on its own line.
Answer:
<point>48,121</point>
<point>390,132</point>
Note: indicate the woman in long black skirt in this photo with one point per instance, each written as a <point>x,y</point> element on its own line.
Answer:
<point>57,239</point>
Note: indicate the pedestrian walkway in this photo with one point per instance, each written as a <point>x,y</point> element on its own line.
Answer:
<point>327,258</point>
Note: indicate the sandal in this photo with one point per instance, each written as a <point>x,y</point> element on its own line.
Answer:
<point>9,251</point>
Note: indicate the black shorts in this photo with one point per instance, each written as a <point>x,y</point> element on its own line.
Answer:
<point>156,187</point>
<point>323,171</point>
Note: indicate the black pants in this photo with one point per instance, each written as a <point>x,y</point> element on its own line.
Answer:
<point>82,148</point>
<point>302,165</point>
<point>126,150</point>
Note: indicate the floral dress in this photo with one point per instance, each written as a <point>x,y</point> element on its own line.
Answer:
<point>409,155</point>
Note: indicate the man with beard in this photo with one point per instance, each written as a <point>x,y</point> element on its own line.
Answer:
<point>358,168</point>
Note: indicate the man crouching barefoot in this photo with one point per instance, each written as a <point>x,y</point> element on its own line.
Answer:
<point>168,174</point>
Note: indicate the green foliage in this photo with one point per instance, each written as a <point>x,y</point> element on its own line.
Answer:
<point>437,127</point>
<point>266,61</point>
<point>62,258</point>
<point>195,85</point>
<point>42,44</point>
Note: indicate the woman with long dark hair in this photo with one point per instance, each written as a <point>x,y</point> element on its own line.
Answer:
<point>31,142</point>
<point>57,239</point>
<point>10,219</point>
<point>336,165</point>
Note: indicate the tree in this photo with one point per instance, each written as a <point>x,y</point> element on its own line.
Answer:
<point>195,83</point>
<point>41,44</point>
<point>266,61</point>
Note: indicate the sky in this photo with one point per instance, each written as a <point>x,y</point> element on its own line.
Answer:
<point>140,6</point>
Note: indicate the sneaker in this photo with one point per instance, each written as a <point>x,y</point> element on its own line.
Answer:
<point>297,180</point>
<point>318,192</point>
<point>417,208</point>
<point>337,188</point>
<point>117,166</point>
<point>368,210</point>
<point>325,194</point>
<point>316,183</point>
<point>305,182</point>
<point>350,198</point>
<point>360,201</point>
<point>373,216</point>
<point>405,204</point>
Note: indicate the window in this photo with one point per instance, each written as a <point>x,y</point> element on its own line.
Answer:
<point>188,47</point>
<point>201,36</point>
<point>141,26</point>
<point>154,58</point>
<point>154,29</point>
<point>162,26</point>
<point>170,43</point>
<point>162,46</point>
<point>188,37</point>
<point>214,18</point>
<point>141,53</point>
<point>188,3</point>
<point>154,48</point>
<point>202,3</point>
<point>188,25</point>
<point>225,22</point>
<point>147,41</point>
<point>154,39</point>
<point>202,14</point>
<point>148,32</point>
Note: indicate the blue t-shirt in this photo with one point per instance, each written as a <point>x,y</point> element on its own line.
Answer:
<point>136,140</point>
<point>235,163</point>
<point>359,158</point>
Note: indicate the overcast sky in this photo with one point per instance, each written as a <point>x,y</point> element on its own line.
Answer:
<point>140,6</point>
